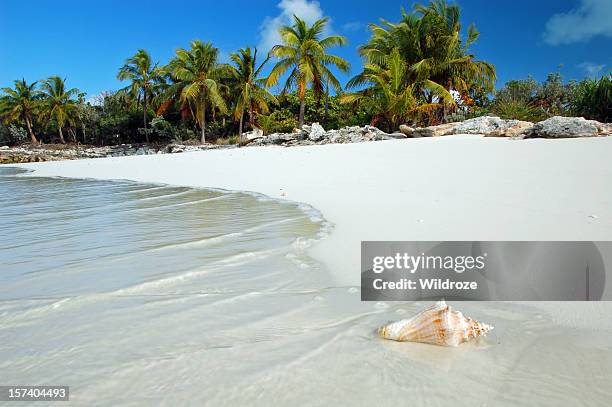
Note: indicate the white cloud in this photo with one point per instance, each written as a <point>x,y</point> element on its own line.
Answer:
<point>590,19</point>
<point>309,11</point>
<point>592,70</point>
<point>352,26</point>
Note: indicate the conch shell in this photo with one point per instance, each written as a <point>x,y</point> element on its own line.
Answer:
<point>437,325</point>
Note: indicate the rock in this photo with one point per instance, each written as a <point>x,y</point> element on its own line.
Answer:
<point>397,135</point>
<point>565,127</point>
<point>253,134</point>
<point>435,131</point>
<point>493,126</point>
<point>405,129</point>
<point>281,138</point>
<point>317,132</point>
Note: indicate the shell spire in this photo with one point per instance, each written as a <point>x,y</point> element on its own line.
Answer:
<point>437,325</point>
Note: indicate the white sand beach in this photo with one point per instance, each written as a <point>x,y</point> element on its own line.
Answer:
<point>436,189</point>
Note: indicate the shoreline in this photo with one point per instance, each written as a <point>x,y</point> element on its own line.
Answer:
<point>429,189</point>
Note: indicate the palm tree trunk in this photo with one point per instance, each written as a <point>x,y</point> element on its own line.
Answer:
<point>251,118</point>
<point>144,110</point>
<point>327,98</point>
<point>203,122</point>
<point>302,110</point>
<point>144,115</point>
<point>61,134</point>
<point>240,126</point>
<point>29,126</point>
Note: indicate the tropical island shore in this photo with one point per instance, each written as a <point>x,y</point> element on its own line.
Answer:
<point>441,188</point>
<point>183,211</point>
<point>449,188</point>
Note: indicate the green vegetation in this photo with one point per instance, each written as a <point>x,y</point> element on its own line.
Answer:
<point>251,94</point>
<point>420,70</point>
<point>21,104</point>
<point>526,99</point>
<point>146,78</point>
<point>593,99</point>
<point>303,52</point>
<point>413,66</point>
<point>198,81</point>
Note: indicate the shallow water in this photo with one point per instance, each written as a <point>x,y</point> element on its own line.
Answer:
<point>137,294</point>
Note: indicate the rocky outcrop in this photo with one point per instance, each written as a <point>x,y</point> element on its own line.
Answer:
<point>316,134</point>
<point>407,130</point>
<point>493,126</point>
<point>253,134</point>
<point>435,131</point>
<point>566,127</point>
<point>12,155</point>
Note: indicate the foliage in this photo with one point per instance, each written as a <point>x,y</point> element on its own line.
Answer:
<point>420,69</point>
<point>12,135</point>
<point>303,54</point>
<point>436,59</point>
<point>251,94</point>
<point>518,109</point>
<point>391,89</point>
<point>279,121</point>
<point>58,104</point>
<point>593,99</point>
<point>147,79</point>
<point>21,105</point>
<point>198,81</point>
<point>526,99</point>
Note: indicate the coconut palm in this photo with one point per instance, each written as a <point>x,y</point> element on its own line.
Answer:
<point>197,76</point>
<point>146,79</point>
<point>21,103</point>
<point>58,104</point>
<point>252,95</point>
<point>429,42</point>
<point>304,54</point>
<point>388,86</point>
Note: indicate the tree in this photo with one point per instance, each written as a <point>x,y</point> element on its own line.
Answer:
<point>21,103</point>
<point>388,86</point>
<point>251,94</point>
<point>429,42</point>
<point>146,79</point>
<point>304,54</point>
<point>58,103</point>
<point>197,77</point>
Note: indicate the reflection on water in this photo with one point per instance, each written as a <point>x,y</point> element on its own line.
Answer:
<point>63,238</point>
<point>95,275</point>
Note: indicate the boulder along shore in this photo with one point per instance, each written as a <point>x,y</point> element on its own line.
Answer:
<point>315,134</point>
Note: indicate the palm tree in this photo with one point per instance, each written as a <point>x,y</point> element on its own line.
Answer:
<point>58,103</point>
<point>21,103</point>
<point>303,52</point>
<point>430,44</point>
<point>251,93</point>
<point>197,77</point>
<point>146,79</point>
<point>394,96</point>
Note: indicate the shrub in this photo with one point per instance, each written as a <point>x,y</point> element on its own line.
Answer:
<point>593,99</point>
<point>519,110</point>
<point>280,121</point>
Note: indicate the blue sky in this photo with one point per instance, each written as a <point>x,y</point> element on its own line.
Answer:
<point>87,41</point>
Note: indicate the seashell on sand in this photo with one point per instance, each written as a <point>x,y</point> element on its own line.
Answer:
<point>437,325</point>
